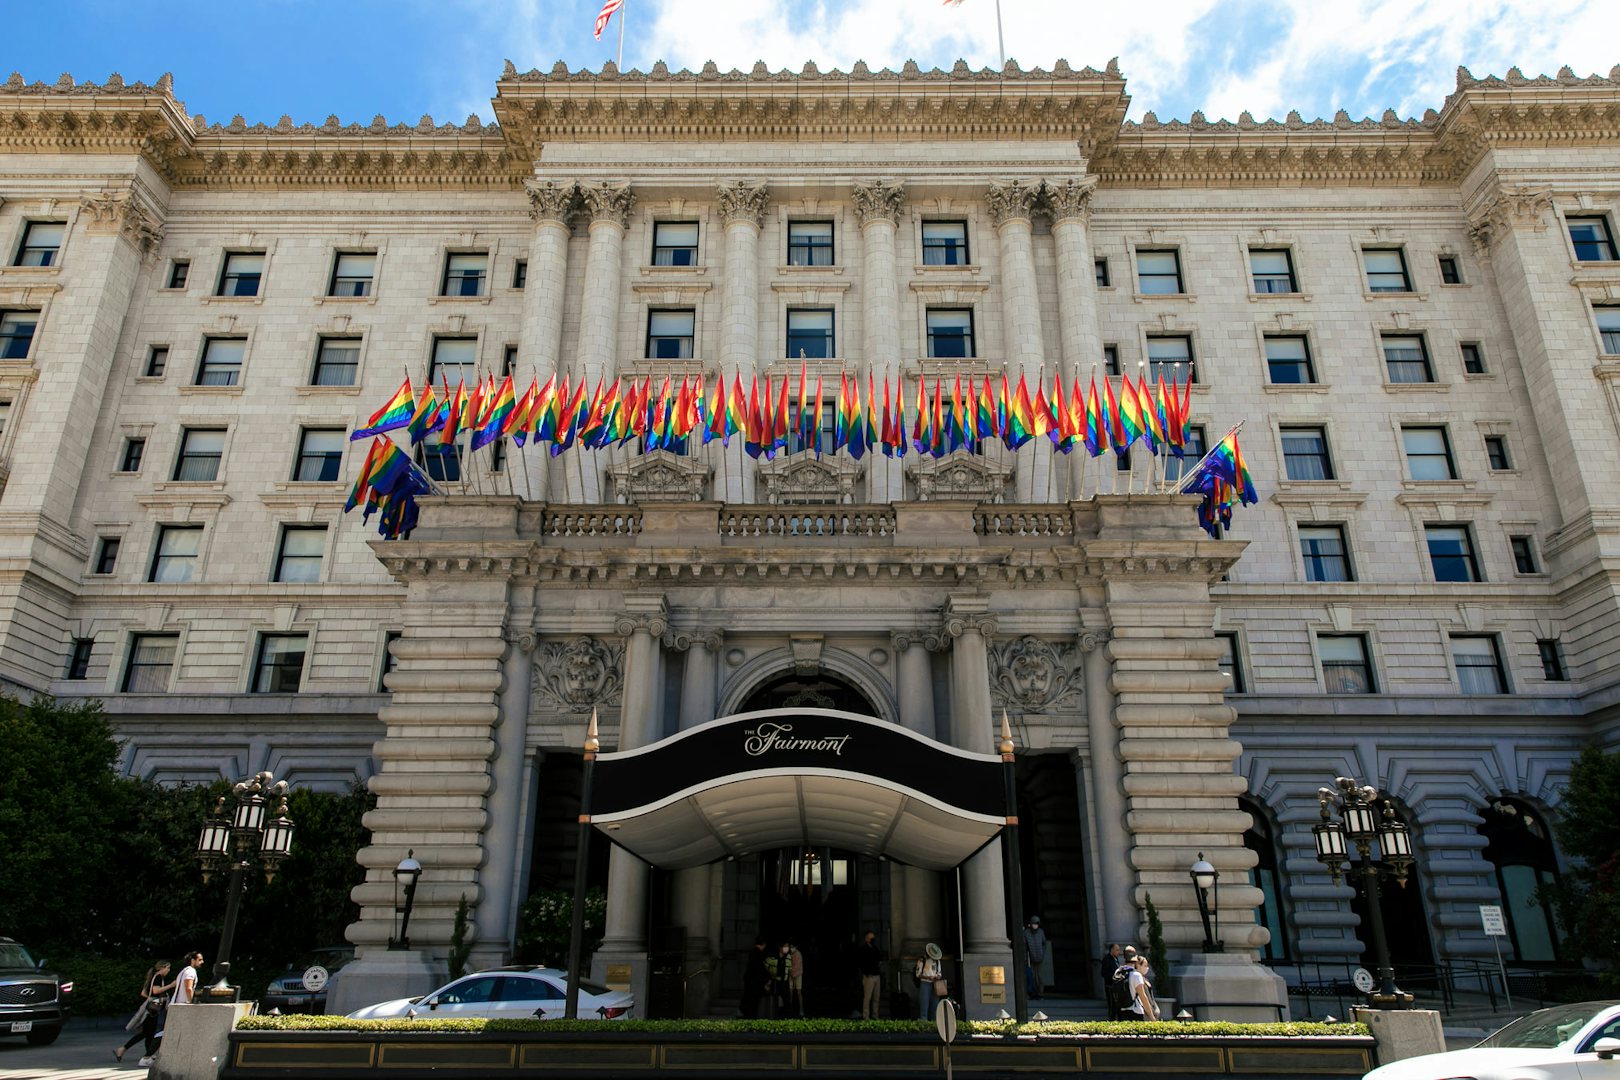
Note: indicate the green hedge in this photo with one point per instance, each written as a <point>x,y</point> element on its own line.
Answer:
<point>799,1027</point>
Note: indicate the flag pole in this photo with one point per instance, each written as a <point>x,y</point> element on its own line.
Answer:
<point>1001,44</point>
<point>622,8</point>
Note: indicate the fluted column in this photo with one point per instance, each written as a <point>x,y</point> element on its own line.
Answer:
<point>1070,203</point>
<point>551,204</point>
<point>1117,919</point>
<point>922,914</point>
<point>967,621</point>
<point>597,356</point>
<point>742,208</point>
<point>1012,204</point>
<point>877,208</point>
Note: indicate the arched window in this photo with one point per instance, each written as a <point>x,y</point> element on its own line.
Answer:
<point>1520,848</point>
<point>1267,877</point>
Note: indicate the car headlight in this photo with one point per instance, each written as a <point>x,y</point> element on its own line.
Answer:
<point>65,988</point>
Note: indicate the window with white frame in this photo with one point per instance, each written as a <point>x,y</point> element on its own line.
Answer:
<point>1406,358</point>
<point>950,332</point>
<point>241,273</point>
<point>1428,453</point>
<point>1608,324</point>
<point>1386,270</point>
<point>1272,270</point>
<point>1158,272</point>
<point>337,361</point>
<point>944,243</point>
<point>320,455</point>
<point>221,363</point>
<point>1592,238</point>
<point>352,273</point>
<point>1346,667</point>
<point>810,243</point>
<point>464,273</point>
<point>150,664</point>
<point>675,243</point>
<point>201,450</point>
<point>1325,554</point>
<point>279,668</point>
<point>1451,553</point>
<point>1170,357</point>
<point>670,333</point>
<point>1305,454</point>
<point>174,560</point>
<point>455,361</point>
<point>810,333</point>
<point>1479,664</point>
<point>41,243</point>
<point>299,557</point>
<point>1288,360</point>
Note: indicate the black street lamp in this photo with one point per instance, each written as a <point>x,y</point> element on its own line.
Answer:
<point>582,841</point>
<point>1207,887</point>
<point>232,840</point>
<point>407,872</point>
<point>1361,823</point>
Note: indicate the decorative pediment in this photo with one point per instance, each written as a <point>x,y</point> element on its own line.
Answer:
<point>961,476</point>
<point>805,478</point>
<point>659,476</point>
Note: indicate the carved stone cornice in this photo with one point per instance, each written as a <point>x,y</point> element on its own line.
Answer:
<point>1070,198</point>
<point>551,201</point>
<point>742,201</point>
<point>1507,209</point>
<point>1012,200</point>
<point>879,200</point>
<point>125,213</point>
<point>608,201</point>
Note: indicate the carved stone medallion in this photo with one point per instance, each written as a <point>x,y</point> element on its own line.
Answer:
<point>1033,675</point>
<point>578,673</point>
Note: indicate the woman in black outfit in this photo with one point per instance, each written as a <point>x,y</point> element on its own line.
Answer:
<point>151,1011</point>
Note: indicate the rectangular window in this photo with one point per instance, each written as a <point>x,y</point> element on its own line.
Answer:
<point>240,274</point>
<point>41,242</point>
<point>200,452</point>
<point>1229,663</point>
<point>1450,274</point>
<point>1406,357</point>
<point>388,660</point>
<point>1451,553</point>
<point>1473,358</point>
<point>320,455</point>
<point>130,460</point>
<point>1552,660</point>
<point>1177,467</point>
<point>5,414</point>
<point>440,461</point>
<point>520,273</point>
<point>179,273</point>
<point>454,359</point>
<point>1524,555</point>
<point>1479,664</point>
<point>464,273</point>
<point>1272,271</point>
<point>810,243</point>
<point>1345,666</point>
<point>157,361</point>
<point>509,359</point>
<point>1428,453</point>
<point>950,332</point>
<point>299,559</point>
<point>1158,273</point>
<point>1325,553</point>
<point>810,333</point>
<point>669,334</point>
<point>944,243</point>
<point>107,554</point>
<point>1608,324</point>
<point>280,665</point>
<point>1288,360</point>
<point>151,659</point>
<point>337,362</point>
<point>221,362</point>
<point>1496,451</point>
<point>1592,239</point>
<point>1305,454</point>
<point>1169,356</point>
<point>352,273</point>
<point>17,333</point>
<point>1386,270</point>
<point>675,243</point>
<point>175,560</point>
<point>1104,280</point>
<point>1111,360</point>
<point>79,658</point>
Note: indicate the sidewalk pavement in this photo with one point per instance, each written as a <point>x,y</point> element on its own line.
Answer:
<point>84,1052</point>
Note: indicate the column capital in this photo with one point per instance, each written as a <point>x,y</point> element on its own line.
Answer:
<point>524,641</point>
<point>1506,209</point>
<point>646,614</point>
<point>551,201</point>
<point>682,640</point>
<point>1012,200</point>
<point>608,201</point>
<point>741,201</point>
<point>1070,197</point>
<point>125,213</point>
<point>879,200</point>
<point>929,639</point>
<point>1092,640</point>
<point>968,614</point>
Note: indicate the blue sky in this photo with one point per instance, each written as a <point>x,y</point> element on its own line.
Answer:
<point>404,58</point>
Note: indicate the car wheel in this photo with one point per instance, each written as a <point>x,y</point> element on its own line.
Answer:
<point>43,1036</point>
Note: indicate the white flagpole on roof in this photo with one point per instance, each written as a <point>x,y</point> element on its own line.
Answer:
<point>622,7</point>
<point>1001,44</point>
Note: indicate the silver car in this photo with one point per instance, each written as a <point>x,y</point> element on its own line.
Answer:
<point>507,994</point>
<point>1566,1042</point>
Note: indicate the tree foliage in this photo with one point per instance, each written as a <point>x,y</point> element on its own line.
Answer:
<point>1588,898</point>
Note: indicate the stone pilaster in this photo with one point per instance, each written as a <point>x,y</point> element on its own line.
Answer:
<point>877,208</point>
<point>608,205</point>
<point>920,914</point>
<point>742,208</point>
<point>551,205</point>
<point>1117,918</point>
<point>1081,337</point>
<point>497,915</point>
<point>1012,204</point>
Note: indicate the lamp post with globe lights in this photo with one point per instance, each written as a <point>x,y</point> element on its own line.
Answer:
<point>1360,822</point>
<point>233,840</point>
<point>1206,886</point>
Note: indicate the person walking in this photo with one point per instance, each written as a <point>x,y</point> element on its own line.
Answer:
<point>1122,987</point>
<point>185,987</point>
<point>796,978</point>
<point>929,975</point>
<point>149,1015</point>
<point>869,962</point>
<point>1143,1006</point>
<point>755,979</point>
<point>1034,956</point>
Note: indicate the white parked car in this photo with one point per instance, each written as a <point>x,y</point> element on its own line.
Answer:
<point>1566,1042</point>
<point>517,993</point>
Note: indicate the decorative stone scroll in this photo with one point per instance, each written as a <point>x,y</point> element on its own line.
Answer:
<point>551,201</point>
<point>742,201</point>
<point>961,476</point>
<point>879,200</point>
<point>127,214</point>
<point>579,673</point>
<point>1070,198</point>
<point>1012,200</point>
<point>659,476</point>
<point>1033,675</point>
<point>608,201</point>
<point>1509,208</point>
<point>803,478</point>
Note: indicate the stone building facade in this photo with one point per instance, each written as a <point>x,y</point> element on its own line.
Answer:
<point>1417,320</point>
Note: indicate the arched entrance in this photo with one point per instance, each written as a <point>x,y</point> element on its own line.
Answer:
<point>1521,851</point>
<point>818,691</point>
<point>1266,876</point>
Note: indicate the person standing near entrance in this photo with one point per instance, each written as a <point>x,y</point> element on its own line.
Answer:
<point>930,977</point>
<point>869,961</point>
<point>1034,956</point>
<point>796,978</point>
<point>754,979</point>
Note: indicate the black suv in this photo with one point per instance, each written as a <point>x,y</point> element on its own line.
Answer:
<point>34,1003</point>
<point>286,993</point>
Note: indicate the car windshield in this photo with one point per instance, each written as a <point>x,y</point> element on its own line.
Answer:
<point>13,955</point>
<point>1548,1028</point>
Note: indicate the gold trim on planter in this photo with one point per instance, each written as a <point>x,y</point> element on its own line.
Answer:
<point>327,1048</point>
<point>446,1055</point>
<point>1153,1058</point>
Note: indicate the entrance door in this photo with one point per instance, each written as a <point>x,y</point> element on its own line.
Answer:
<point>812,899</point>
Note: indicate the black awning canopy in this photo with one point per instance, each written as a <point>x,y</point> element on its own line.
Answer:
<point>798,778</point>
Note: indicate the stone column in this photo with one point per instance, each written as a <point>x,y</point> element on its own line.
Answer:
<point>922,917</point>
<point>602,300</point>
<point>1117,919</point>
<point>877,208</point>
<point>550,206</point>
<point>692,887</point>
<point>1070,203</point>
<point>624,935</point>
<point>497,919</point>
<point>984,887</point>
<point>1012,203</point>
<point>742,208</point>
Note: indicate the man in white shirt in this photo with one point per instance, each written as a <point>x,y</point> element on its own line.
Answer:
<point>185,987</point>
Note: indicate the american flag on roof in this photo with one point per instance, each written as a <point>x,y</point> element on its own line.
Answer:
<point>607,11</point>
